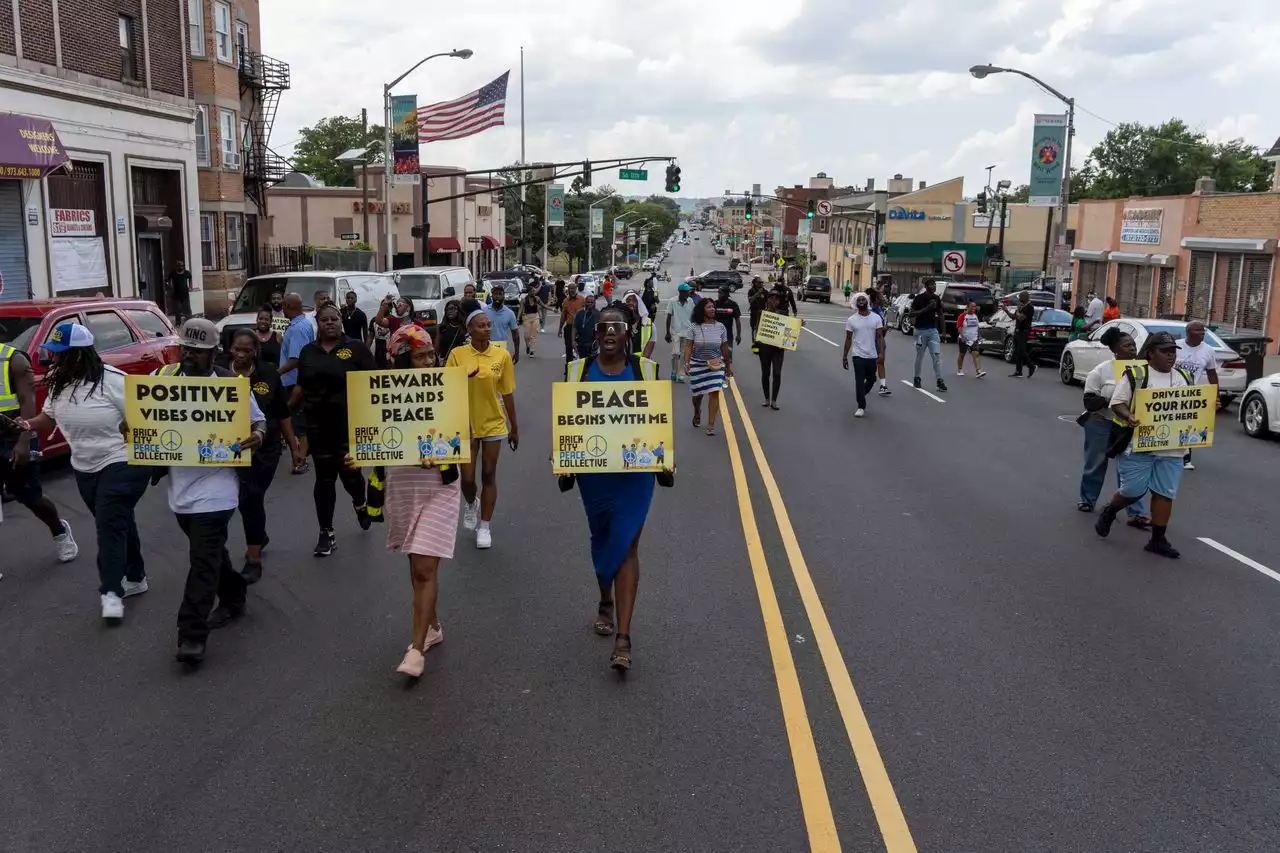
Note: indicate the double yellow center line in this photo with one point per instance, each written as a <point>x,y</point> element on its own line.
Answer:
<point>814,800</point>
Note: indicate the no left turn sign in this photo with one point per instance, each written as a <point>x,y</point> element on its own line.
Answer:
<point>953,262</point>
<point>824,208</point>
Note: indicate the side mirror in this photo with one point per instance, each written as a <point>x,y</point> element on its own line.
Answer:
<point>449,291</point>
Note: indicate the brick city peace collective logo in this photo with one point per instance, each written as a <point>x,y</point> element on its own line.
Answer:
<point>343,353</point>
<point>556,202</point>
<point>1048,151</point>
<point>261,388</point>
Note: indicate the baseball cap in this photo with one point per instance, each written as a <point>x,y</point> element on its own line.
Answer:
<point>199,333</point>
<point>68,336</point>
<point>684,288</point>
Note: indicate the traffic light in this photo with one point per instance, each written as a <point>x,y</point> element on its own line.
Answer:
<point>586,173</point>
<point>673,178</point>
<point>811,209</point>
<point>982,202</point>
<point>747,215</point>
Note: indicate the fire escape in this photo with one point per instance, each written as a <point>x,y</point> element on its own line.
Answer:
<point>262,79</point>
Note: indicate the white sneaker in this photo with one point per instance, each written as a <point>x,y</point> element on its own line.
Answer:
<point>959,373</point>
<point>1187,466</point>
<point>860,413</point>
<point>68,550</point>
<point>112,606</point>
<point>131,588</point>
<point>471,514</point>
<point>484,539</point>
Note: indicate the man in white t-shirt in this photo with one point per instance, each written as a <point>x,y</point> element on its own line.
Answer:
<point>1093,314</point>
<point>1197,358</point>
<point>864,336</point>
<point>679,323</point>
<point>1160,471</point>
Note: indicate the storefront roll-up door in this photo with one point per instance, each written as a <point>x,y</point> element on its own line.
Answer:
<point>1093,279</point>
<point>14,283</point>
<point>1226,290</point>
<point>1258,270</point>
<point>1199,283</point>
<point>1127,276</point>
<point>1164,293</point>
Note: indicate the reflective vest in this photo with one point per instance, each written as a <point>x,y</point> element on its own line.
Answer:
<point>167,370</point>
<point>1138,375</point>
<point>646,335</point>
<point>642,369</point>
<point>8,393</point>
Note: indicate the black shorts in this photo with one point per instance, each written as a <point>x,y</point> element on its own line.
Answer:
<point>21,482</point>
<point>967,348</point>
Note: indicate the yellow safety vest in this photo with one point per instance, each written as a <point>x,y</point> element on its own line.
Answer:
<point>576,370</point>
<point>167,370</point>
<point>1138,375</point>
<point>8,393</point>
<point>646,335</point>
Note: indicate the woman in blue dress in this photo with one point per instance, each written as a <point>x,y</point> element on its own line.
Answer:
<point>616,504</point>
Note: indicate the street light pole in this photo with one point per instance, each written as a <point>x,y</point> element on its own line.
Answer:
<point>388,160</point>
<point>590,239</point>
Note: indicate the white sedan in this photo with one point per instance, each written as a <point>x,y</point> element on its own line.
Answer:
<point>1260,408</point>
<point>1079,357</point>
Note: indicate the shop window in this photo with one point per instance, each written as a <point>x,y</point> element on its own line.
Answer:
<point>202,135</point>
<point>208,243</point>
<point>222,30</point>
<point>128,52</point>
<point>195,23</point>
<point>235,241</point>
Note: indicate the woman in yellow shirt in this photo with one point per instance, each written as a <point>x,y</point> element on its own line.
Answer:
<point>491,386</point>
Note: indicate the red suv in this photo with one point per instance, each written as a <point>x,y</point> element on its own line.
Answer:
<point>131,334</point>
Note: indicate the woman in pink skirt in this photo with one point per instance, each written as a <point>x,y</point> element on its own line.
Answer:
<point>421,513</point>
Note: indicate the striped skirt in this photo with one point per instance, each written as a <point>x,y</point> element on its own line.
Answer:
<point>422,512</point>
<point>703,380</point>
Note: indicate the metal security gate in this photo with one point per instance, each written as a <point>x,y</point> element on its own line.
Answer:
<point>14,283</point>
<point>1164,293</point>
<point>1238,302</point>
<point>1199,286</point>
<point>1093,279</point>
<point>1128,278</point>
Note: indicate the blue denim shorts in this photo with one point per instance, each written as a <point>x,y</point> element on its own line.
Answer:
<point>1146,472</point>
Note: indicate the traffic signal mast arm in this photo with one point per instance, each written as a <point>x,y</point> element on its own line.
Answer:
<point>582,167</point>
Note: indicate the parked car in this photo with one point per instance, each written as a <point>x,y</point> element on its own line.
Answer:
<point>133,335</point>
<point>651,265</point>
<point>956,296</point>
<point>370,288</point>
<point>512,290</point>
<point>816,287</point>
<point>1083,355</point>
<point>622,272</point>
<point>428,288</point>
<point>1050,329</point>
<point>896,316</point>
<point>1260,406</point>
<point>714,279</point>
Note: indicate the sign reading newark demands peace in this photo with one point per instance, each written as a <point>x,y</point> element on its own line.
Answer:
<point>1174,418</point>
<point>778,330</point>
<point>186,421</point>
<point>611,427</point>
<point>404,417</point>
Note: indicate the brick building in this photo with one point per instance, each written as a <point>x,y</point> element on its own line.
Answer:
<point>97,148</point>
<point>236,89</point>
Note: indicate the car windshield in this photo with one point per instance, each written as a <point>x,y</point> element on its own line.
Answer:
<point>419,285</point>
<point>965,295</point>
<point>17,331</point>
<point>1180,332</point>
<point>1052,315</point>
<point>257,291</point>
<point>819,279</point>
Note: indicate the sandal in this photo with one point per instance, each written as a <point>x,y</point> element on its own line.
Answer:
<point>1084,507</point>
<point>621,657</point>
<point>1141,522</point>
<point>604,621</point>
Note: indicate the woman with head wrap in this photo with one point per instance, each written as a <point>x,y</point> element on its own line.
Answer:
<point>491,386</point>
<point>641,327</point>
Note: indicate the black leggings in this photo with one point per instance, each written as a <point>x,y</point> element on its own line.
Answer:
<point>329,469</point>
<point>254,483</point>
<point>771,363</point>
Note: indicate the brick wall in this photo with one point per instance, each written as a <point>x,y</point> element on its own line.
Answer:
<point>1244,215</point>
<point>168,42</point>
<point>90,31</point>
<point>37,30</point>
<point>8,42</point>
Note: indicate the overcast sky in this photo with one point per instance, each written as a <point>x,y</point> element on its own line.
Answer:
<point>774,91</point>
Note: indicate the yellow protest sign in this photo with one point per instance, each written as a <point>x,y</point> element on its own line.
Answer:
<point>1119,365</point>
<point>186,421</point>
<point>279,324</point>
<point>778,330</point>
<point>1174,418</point>
<point>401,417</point>
<point>611,427</point>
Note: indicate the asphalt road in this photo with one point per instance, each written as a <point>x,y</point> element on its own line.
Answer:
<point>943,656</point>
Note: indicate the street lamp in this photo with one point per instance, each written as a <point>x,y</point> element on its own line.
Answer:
<point>591,240</point>
<point>1060,228</point>
<point>388,159</point>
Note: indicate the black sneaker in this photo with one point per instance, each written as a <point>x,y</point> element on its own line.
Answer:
<point>326,544</point>
<point>190,652</point>
<point>252,573</point>
<point>884,391</point>
<point>1031,370</point>
<point>362,517</point>
<point>223,616</point>
<point>1015,375</point>
<point>1162,547</point>
<point>915,383</point>
<point>942,386</point>
<point>1103,525</point>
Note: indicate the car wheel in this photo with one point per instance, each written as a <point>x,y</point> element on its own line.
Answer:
<point>1067,369</point>
<point>1253,414</point>
<point>827,300</point>
<point>1008,350</point>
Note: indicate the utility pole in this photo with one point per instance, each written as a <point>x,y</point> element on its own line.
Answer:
<point>1004,202</point>
<point>364,178</point>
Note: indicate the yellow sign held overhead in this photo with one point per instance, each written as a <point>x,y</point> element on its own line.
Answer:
<point>611,427</point>
<point>778,330</point>
<point>404,417</point>
<point>186,421</point>
<point>1179,418</point>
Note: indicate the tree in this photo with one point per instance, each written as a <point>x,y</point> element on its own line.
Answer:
<point>319,146</point>
<point>1155,160</point>
<point>1019,194</point>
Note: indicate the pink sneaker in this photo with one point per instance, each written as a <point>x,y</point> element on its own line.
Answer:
<point>412,664</point>
<point>435,636</point>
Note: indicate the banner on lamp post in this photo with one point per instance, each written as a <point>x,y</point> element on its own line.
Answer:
<point>404,139</point>
<point>597,222</point>
<point>1048,143</point>
<point>555,206</point>
<point>619,232</point>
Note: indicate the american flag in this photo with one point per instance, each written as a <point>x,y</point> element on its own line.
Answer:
<point>482,109</point>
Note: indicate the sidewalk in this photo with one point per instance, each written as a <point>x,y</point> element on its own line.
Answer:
<point>1270,365</point>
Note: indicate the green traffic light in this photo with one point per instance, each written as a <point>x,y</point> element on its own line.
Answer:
<point>808,214</point>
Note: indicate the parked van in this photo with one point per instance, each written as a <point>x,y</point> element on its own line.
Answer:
<point>369,288</point>
<point>428,288</point>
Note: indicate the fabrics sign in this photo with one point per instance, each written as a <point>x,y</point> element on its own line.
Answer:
<point>66,222</point>
<point>1141,225</point>
<point>1047,149</point>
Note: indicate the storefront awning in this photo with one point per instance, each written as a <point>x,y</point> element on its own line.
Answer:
<point>1228,244</point>
<point>1129,258</point>
<point>487,243</point>
<point>931,253</point>
<point>29,147</point>
<point>443,244</point>
<point>1089,255</point>
<point>1164,260</point>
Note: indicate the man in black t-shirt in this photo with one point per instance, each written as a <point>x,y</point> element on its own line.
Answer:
<point>355,324</point>
<point>730,316</point>
<point>926,314</point>
<point>1021,332</point>
<point>180,291</point>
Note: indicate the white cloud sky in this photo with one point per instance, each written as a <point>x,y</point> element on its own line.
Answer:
<point>773,91</point>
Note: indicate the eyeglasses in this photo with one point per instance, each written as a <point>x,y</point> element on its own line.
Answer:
<point>611,326</point>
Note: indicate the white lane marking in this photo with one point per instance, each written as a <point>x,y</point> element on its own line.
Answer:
<point>812,319</point>
<point>819,337</point>
<point>1236,555</point>
<point>922,391</point>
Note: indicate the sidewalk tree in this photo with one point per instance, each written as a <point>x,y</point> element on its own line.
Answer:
<point>320,144</point>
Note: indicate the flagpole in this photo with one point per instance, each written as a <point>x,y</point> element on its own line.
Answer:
<point>524,256</point>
